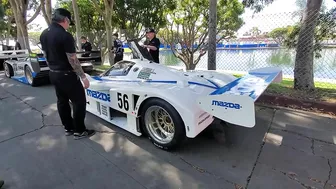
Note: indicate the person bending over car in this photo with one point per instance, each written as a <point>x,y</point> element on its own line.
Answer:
<point>118,49</point>
<point>86,46</point>
<point>153,45</point>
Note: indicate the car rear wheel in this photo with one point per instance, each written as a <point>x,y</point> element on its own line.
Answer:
<point>9,72</point>
<point>162,124</point>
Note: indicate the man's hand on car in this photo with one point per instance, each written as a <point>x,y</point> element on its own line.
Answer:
<point>86,82</point>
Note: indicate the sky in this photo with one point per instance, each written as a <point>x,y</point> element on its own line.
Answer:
<point>278,14</point>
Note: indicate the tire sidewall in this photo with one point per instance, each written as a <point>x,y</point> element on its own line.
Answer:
<point>179,134</point>
<point>26,70</point>
<point>8,74</point>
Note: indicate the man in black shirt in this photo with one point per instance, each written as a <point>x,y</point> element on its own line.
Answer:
<point>118,49</point>
<point>153,45</point>
<point>86,46</point>
<point>65,73</point>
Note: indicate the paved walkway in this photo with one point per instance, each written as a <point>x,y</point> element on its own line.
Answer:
<point>286,149</point>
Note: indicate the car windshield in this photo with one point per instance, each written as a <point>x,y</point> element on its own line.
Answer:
<point>120,68</point>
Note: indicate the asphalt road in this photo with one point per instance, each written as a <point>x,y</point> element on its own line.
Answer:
<point>286,149</point>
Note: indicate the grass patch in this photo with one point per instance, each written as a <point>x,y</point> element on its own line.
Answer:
<point>323,91</point>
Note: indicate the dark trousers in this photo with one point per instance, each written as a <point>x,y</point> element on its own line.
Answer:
<point>69,87</point>
<point>118,58</point>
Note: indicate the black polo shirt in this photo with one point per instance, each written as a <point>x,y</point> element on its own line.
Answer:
<point>87,46</point>
<point>56,42</point>
<point>155,54</point>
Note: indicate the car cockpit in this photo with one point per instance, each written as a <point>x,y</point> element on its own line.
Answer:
<point>121,68</point>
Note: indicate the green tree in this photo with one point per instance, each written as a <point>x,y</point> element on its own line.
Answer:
<point>304,43</point>
<point>19,9</point>
<point>34,37</point>
<point>304,60</point>
<point>7,27</point>
<point>2,11</point>
<point>46,10</point>
<point>255,31</point>
<point>193,17</point>
<point>132,17</point>
<point>256,5</point>
<point>325,29</point>
<point>167,36</point>
<point>280,35</point>
<point>92,24</point>
<point>105,8</point>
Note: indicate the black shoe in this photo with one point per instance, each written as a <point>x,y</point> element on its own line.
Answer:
<point>69,132</point>
<point>87,133</point>
<point>1,183</point>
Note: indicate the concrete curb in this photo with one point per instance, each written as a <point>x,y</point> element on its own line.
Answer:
<point>306,105</point>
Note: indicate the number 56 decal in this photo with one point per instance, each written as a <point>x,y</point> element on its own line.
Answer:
<point>123,101</point>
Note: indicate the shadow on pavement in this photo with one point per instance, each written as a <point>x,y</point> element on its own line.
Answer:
<point>298,151</point>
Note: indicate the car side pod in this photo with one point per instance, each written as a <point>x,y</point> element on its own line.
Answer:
<point>234,102</point>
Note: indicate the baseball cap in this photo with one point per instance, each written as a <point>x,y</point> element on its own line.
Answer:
<point>63,13</point>
<point>150,30</point>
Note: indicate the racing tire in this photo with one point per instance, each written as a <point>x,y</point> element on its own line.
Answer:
<point>169,115</point>
<point>29,76</point>
<point>9,72</point>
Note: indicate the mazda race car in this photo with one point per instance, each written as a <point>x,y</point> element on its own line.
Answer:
<point>32,69</point>
<point>168,104</point>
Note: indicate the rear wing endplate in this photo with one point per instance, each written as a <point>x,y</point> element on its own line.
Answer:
<point>234,103</point>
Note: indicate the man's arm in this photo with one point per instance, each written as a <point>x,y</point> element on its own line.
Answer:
<point>73,60</point>
<point>70,50</point>
<point>151,47</point>
<point>155,46</point>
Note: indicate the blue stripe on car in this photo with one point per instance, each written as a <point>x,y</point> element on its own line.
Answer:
<point>252,94</point>
<point>153,81</point>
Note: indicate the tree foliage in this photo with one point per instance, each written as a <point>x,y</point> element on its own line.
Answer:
<point>325,29</point>
<point>7,27</point>
<point>256,5</point>
<point>105,8</point>
<point>280,35</point>
<point>2,11</point>
<point>92,24</point>
<point>132,16</point>
<point>19,9</point>
<point>193,16</point>
<point>306,37</point>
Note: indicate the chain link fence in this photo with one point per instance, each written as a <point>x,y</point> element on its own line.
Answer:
<point>272,40</point>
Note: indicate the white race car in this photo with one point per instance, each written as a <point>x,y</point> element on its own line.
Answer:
<point>167,104</point>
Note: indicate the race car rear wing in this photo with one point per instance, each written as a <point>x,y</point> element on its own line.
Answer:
<point>234,103</point>
<point>14,54</point>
